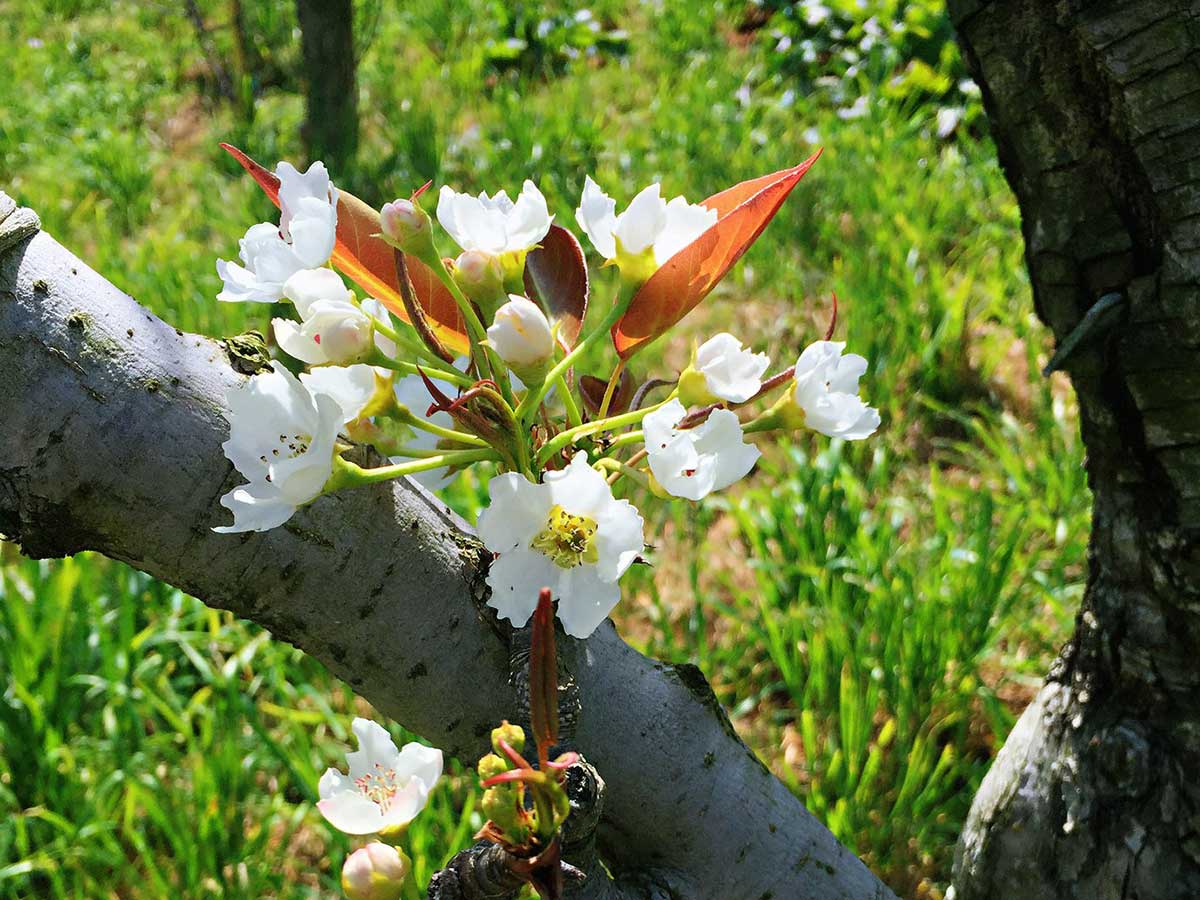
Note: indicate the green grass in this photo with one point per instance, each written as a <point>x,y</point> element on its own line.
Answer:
<point>873,615</point>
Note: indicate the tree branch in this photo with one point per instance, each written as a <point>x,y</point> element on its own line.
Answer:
<point>113,422</point>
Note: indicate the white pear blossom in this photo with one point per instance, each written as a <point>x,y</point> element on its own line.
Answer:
<point>281,438</point>
<point>520,333</point>
<point>385,787</point>
<point>375,872</point>
<point>826,389</point>
<point>304,239</point>
<point>730,372</point>
<point>308,210</point>
<point>353,387</point>
<point>568,534</point>
<point>693,462</point>
<point>267,262</point>
<point>332,329</point>
<point>648,225</point>
<point>495,224</point>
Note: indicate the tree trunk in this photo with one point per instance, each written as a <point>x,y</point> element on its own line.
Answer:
<point>331,111</point>
<point>1095,109</point>
<point>113,422</point>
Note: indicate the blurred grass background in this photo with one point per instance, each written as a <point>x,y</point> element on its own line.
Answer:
<point>874,615</point>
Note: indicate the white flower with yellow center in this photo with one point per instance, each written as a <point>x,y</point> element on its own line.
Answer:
<point>693,462</point>
<point>826,390</point>
<point>647,234</point>
<point>385,787</point>
<point>304,239</point>
<point>281,438</point>
<point>568,534</point>
<point>495,225</point>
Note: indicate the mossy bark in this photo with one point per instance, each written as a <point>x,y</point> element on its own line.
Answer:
<point>1095,110</point>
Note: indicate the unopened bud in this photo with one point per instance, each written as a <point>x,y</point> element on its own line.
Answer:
<point>513,735</point>
<point>375,872</point>
<point>500,805</point>
<point>481,277</point>
<point>406,226</point>
<point>492,765</point>
<point>521,335</point>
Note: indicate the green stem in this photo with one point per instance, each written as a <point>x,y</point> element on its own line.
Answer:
<point>347,474</point>
<point>449,434</point>
<point>629,437</point>
<point>533,398</point>
<point>624,469</point>
<point>574,417</point>
<point>611,388</point>
<point>399,365</point>
<point>409,342</point>
<point>478,332</point>
<point>568,437</point>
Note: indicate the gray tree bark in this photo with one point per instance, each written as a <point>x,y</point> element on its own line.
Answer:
<point>113,422</point>
<point>1095,109</point>
<point>330,90</point>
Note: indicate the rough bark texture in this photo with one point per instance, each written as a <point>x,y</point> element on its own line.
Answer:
<point>113,422</point>
<point>331,95</point>
<point>1095,108</point>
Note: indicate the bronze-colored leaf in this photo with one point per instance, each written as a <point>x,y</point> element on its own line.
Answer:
<point>556,277</point>
<point>592,389</point>
<point>686,278</point>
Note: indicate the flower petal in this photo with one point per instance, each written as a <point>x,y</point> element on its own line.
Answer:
<point>516,578</point>
<point>722,439</point>
<point>639,226</point>
<point>240,285</point>
<point>257,506</point>
<point>516,513</point>
<point>597,216</point>
<point>352,813</point>
<point>684,223</point>
<point>351,386</point>
<point>579,488</point>
<point>296,344</point>
<point>421,763</point>
<point>586,601</point>
<point>529,220</point>
<point>375,748</point>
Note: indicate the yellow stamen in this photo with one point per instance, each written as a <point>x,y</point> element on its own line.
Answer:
<point>567,539</point>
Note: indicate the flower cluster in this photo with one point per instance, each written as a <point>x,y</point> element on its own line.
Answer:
<point>477,359</point>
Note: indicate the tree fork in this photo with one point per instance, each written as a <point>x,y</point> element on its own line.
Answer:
<point>1095,110</point>
<point>111,442</point>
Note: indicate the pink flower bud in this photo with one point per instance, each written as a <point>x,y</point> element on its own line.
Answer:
<point>402,221</point>
<point>375,872</point>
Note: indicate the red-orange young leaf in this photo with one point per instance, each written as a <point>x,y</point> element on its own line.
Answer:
<point>370,262</point>
<point>556,277</point>
<point>679,285</point>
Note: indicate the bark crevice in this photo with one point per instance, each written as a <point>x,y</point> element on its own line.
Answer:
<point>1090,797</point>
